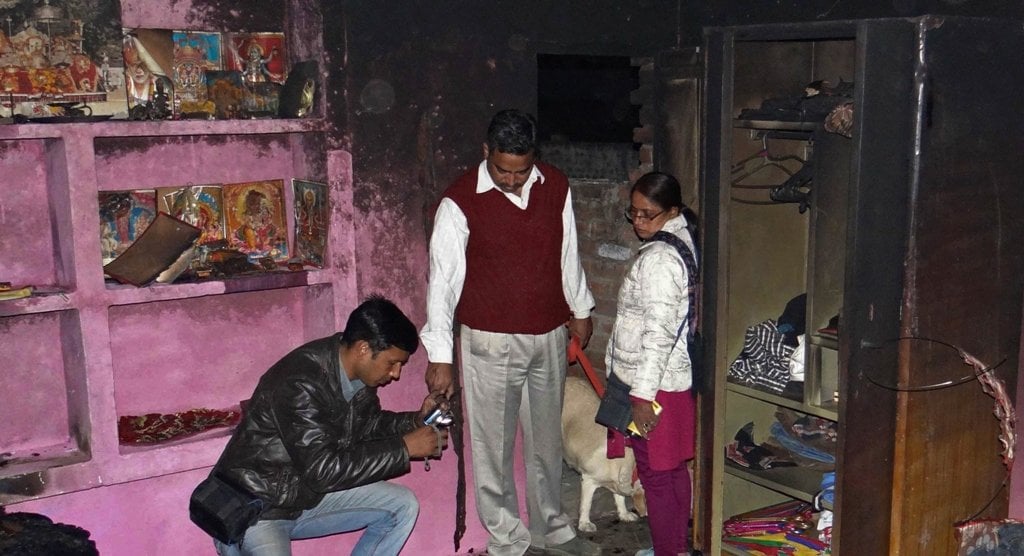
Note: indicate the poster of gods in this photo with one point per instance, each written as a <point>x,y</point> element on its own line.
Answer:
<point>57,53</point>
<point>254,212</point>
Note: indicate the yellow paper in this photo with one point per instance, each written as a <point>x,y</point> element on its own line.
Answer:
<point>632,424</point>
<point>16,294</point>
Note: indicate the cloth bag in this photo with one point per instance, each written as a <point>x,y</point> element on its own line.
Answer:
<point>222,510</point>
<point>616,409</point>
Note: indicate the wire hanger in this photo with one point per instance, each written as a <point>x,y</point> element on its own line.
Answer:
<point>758,162</point>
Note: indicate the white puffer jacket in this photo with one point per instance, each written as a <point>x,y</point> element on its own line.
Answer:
<point>652,304</point>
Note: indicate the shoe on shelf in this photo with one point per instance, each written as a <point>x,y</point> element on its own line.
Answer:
<point>645,552</point>
<point>578,546</point>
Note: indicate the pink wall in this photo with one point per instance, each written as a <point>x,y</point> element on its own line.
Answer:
<point>151,516</point>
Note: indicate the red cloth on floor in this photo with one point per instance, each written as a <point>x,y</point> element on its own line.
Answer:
<point>160,427</point>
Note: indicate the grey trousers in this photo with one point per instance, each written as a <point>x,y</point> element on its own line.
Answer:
<point>510,379</point>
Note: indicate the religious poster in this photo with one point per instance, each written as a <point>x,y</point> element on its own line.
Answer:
<point>224,88</point>
<point>149,65</point>
<point>261,57</point>
<point>311,219</point>
<point>124,215</point>
<point>254,212</point>
<point>199,205</point>
<point>195,53</point>
<point>61,53</point>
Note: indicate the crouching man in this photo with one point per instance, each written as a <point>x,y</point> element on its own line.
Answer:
<point>314,448</point>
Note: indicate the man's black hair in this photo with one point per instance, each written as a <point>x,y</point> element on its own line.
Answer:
<point>382,324</point>
<point>512,131</point>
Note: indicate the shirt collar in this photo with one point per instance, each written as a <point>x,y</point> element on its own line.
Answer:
<point>484,183</point>
<point>349,387</point>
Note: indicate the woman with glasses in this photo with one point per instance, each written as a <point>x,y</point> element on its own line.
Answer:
<point>648,352</point>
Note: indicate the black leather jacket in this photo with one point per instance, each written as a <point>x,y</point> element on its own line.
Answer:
<point>299,439</point>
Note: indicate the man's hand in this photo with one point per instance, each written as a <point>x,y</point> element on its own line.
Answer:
<point>582,329</point>
<point>440,378</point>
<point>424,441</point>
<point>432,401</point>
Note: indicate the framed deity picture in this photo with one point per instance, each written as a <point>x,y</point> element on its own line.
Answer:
<point>312,215</point>
<point>255,217</point>
<point>57,54</point>
<point>124,216</point>
<point>148,65</point>
<point>199,205</point>
<point>261,57</point>
<point>224,88</point>
<point>195,53</point>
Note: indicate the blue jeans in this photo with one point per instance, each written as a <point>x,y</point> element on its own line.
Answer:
<point>387,512</point>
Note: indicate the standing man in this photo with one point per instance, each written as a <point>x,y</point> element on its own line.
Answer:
<point>504,263</point>
<point>315,447</point>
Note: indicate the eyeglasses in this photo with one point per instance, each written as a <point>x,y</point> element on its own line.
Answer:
<point>633,214</point>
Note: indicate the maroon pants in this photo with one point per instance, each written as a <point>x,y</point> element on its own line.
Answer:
<point>668,502</point>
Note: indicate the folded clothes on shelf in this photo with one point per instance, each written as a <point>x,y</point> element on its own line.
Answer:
<point>745,452</point>
<point>764,360</point>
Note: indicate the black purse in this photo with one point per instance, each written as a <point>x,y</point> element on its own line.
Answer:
<point>616,409</point>
<point>223,510</point>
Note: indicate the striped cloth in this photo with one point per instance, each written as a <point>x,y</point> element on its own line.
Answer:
<point>764,361</point>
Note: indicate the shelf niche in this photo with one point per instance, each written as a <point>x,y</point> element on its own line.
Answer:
<point>44,420</point>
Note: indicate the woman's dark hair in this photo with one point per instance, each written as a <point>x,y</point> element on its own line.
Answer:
<point>512,131</point>
<point>664,190</point>
<point>382,325</point>
<point>660,188</point>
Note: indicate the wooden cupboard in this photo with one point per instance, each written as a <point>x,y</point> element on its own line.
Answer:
<point>912,234</point>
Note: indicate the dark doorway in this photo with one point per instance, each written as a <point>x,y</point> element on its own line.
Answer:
<point>586,98</point>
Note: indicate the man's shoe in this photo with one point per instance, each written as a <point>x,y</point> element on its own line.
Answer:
<point>578,546</point>
<point>645,552</point>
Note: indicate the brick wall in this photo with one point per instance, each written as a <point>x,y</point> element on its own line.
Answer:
<point>607,244</point>
<point>600,177</point>
<point>607,241</point>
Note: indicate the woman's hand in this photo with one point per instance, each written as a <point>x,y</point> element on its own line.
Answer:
<point>644,416</point>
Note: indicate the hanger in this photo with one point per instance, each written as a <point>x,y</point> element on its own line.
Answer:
<point>758,162</point>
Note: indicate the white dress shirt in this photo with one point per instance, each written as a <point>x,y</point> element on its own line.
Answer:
<point>448,264</point>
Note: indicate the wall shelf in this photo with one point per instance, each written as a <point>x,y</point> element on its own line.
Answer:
<point>825,411</point>
<point>90,350</point>
<point>796,482</point>
<point>163,128</point>
<point>39,302</point>
<point>120,294</point>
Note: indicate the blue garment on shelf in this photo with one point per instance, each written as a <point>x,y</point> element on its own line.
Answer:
<point>794,445</point>
<point>828,488</point>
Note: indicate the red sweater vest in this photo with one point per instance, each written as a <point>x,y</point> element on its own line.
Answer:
<point>513,258</point>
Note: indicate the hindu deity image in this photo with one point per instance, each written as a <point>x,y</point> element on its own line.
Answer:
<point>255,218</point>
<point>259,56</point>
<point>53,49</point>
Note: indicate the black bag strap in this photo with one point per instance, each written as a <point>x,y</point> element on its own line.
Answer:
<point>690,263</point>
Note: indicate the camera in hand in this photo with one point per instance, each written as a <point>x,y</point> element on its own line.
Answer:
<point>438,418</point>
